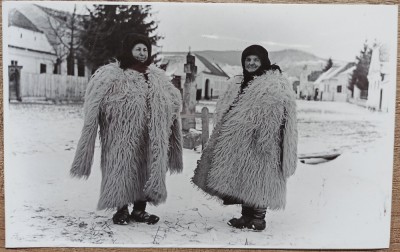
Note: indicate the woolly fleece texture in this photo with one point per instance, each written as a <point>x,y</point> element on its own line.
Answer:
<point>242,159</point>
<point>140,133</point>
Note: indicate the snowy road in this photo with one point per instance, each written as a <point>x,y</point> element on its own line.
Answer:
<point>327,203</point>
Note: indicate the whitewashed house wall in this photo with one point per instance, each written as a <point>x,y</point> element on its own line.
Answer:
<point>30,49</point>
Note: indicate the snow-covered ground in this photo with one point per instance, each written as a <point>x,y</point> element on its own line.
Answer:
<point>344,203</point>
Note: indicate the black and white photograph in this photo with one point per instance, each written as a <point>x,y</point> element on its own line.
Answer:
<point>198,125</point>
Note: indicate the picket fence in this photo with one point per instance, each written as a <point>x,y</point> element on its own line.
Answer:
<point>53,87</point>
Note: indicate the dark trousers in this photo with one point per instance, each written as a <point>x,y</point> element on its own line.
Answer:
<point>254,213</point>
<point>137,205</point>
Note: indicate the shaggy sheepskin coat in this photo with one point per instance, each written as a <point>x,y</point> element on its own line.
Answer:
<point>140,133</point>
<point>253,148</point>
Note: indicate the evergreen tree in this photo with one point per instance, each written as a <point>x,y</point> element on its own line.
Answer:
<point>359,78</point>
<point>106,27</point>
<point>328,65</point>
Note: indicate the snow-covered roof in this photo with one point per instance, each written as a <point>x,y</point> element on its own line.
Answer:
<point>176,61</point>
<point>335,71</point>
<point>212,68</point>
<point>16,18</point>
<point>345,68</point>
<point>327,74</point>
<point>231,71</point>
<point>174,64</point>
<point>348,71</point>
<point>42,19</point>
<point>28,39</point>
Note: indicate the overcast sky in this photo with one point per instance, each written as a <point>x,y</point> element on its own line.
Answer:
<point>336,31</point>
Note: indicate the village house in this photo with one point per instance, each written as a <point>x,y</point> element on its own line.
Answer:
<point>28,46</point>
<point>379,79</point>
<point>332,85</point>
<point>36,55</point>
<point>211,80</point>
<point>304,87</point>
<point>31,29</point>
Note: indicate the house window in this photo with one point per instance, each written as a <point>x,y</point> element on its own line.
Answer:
<point>364,94</point>
<point>14,62</point>
<point>339,89</point>
<point>81,67</point>
<point>71,64</point>
<point>57,67</point>
<point>42,68</point>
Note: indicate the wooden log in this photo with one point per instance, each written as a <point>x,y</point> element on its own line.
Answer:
<point>205,122</point>
<point>320,155</point>
<point>327,156</point>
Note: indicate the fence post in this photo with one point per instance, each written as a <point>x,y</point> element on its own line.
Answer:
<point>204,126</point>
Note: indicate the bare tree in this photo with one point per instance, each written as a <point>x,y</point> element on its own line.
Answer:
<point>66,28</point>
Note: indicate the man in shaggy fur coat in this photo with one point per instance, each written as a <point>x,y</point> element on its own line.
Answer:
<point>138,111</point>
<point>253,148</point>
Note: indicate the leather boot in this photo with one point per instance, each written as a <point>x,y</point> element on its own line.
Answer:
<point>140,215</point>
<point>257,221</point>
<point>252,218</point>
<point>243,220</point>
<point>121,217</point>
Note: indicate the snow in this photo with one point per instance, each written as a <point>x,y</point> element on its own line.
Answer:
<point>28,39</point>
<point>231,70</point>
<point>344,203</point>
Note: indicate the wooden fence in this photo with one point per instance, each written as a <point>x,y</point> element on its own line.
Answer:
<point>205,126</point>
<point>53,87</point>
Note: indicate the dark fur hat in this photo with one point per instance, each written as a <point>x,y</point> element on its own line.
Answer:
<point>126,58</point>
<point>262,54</point>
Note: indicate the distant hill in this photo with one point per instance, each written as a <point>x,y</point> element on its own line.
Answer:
<point>291,61</point>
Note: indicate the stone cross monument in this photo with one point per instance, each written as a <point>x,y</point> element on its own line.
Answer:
<point>189,94</point>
